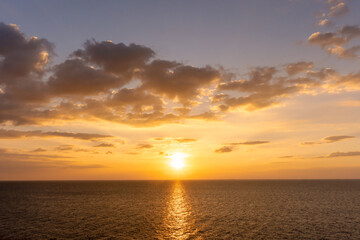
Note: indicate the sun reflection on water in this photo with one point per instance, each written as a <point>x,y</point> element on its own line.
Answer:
<point>179,222</point>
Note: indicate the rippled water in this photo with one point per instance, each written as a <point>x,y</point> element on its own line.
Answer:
<point>180,210</point>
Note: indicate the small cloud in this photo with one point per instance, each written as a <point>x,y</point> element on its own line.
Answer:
<point>82,150</point>
<point>343,154</point>
<point>309,143</point>
<point>38,150</point>
<point>224,149</point>
<point>109,152</point>
<point>248,143</point>
<point>287,156</point>
<point>64,148</point>
<point>338,10</point>
<point>105,145</point>
<point>332,139</point>
<point>12,134</point>
<point>299,67</point>
<point>144,146</point>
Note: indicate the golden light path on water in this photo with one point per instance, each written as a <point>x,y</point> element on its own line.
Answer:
<point>179,222</point>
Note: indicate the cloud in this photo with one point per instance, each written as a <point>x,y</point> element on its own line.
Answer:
<point>10,154</point>
<point>350,31</point>
<point>326,39</point>
<point>74,77</point>
<point>65,147</point>
<point>334,42</point>
<point>13,134</point>
<point>299,67</point>
<point>179,139</point>
<point>343,52</point>
<point>332,139</point>
<point>338,9</point>
<point>248,143</point>
<point>343,154</point>
<point>144,146</point>
<point>39,150</point>
<point>329,139</point>
<point>105,145</point>
<point>118,59</point>
<point>325,22</point>
<point>224,149</point>
<point>140,102</point>
<point>310,143</point>
<point>21,56</point>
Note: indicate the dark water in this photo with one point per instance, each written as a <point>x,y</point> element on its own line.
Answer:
<point>180,210</point>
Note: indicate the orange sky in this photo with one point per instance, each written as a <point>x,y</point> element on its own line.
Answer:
<point>112,110</point>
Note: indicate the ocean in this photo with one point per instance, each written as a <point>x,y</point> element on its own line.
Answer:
<point>227,209</point>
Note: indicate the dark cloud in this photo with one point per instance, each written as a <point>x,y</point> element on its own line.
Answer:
<point>338,9</point>
<point>115,58</point>
<point>224,149</point>
<point>144,146</point>
<point>343,154</point>
<point>299,67</point>
<point>105,145</point>
<point>343,52</point>
<point>248,143</point>
<point>177,81</point>
<point>21,56</point>
<point>350,31</point>
<point>12,161</point>
<point>332,139</point>
<point>10,134</point>
<point>326,39</point>
<point>140,102</point>
<point>325,22</point>
<point>329,139</point>
<point>351,79</point>
<point>90,84</point>
<point>65,147</point>
<point>39,150</point>
<point>310,143</point>
<point>10,154</point>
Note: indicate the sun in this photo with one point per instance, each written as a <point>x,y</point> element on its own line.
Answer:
<point>177,160</point>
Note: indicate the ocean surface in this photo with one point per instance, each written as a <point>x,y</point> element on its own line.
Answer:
<point>259,209</point>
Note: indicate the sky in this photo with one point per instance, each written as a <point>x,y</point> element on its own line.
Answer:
<point>125,90</point>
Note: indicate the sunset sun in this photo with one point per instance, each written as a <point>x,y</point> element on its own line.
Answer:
<point>177,160</point>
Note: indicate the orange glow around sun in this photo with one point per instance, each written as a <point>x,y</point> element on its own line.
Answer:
<point>177,160</point>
